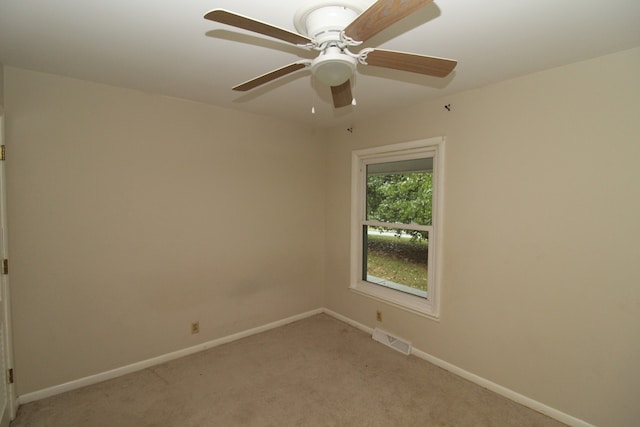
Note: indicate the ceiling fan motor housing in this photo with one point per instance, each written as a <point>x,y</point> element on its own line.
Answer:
<point>324,20</point>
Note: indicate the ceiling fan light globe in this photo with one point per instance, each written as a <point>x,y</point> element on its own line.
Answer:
<point>333,73</point>
<point>333,67</point>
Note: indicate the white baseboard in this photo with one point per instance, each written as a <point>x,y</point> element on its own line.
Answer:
<point>482,382</point>
<point>138,366</point>
<point>114,373</point>
<point>351,322</point>
<point>503,391</point>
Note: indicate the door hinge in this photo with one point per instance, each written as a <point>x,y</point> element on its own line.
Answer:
<point>3,152</point>
<point>10,376</point>
<point>5,266</point>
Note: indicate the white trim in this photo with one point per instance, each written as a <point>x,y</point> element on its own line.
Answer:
<point>411,303</point>
<point>482,382</point>
<point>349,321</point>
<point>503,391</point>
<point>496,388</point>
<point>396,286</point>
<point>433,147</point>
<point>398,225</point>
<point>5,291</point>
<point>138,366</point>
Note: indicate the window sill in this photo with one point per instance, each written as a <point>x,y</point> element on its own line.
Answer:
<point>405,301</point>
<point>397,286</point>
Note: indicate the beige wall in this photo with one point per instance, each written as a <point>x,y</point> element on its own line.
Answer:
<point>541,284</point>
<point>132,215</point>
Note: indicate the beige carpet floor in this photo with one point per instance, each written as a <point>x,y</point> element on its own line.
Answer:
<point>315,372</point>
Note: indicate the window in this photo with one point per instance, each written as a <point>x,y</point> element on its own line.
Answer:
<point>395,223</point>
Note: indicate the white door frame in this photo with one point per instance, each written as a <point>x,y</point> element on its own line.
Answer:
<point>5,296</point>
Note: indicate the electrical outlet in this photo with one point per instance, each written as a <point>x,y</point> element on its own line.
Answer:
<point>195,327</point>
<point>379,316</point>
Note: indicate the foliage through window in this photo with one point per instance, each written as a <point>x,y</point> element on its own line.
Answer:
<point>393,225</point>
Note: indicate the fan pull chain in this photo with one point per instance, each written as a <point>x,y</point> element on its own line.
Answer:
<point>313,97</point>
<point>353,97</point>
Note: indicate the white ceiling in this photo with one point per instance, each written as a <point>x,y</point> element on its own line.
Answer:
<point>166,47</point>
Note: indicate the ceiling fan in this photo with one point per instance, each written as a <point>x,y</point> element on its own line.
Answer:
<point>332,27</point>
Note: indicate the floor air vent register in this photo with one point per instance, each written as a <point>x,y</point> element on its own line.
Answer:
<point>389,340</point>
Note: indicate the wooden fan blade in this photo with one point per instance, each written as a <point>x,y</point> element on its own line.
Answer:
<point>379,16</point>
<point>429,65</point>
<point>272,75</point>
<point>342,94</point>
<point>246,23</point>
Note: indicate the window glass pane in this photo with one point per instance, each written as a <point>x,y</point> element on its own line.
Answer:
<point>395,260</point>
<point>400,192</point>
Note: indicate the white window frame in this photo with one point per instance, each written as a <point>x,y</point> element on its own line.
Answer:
<point>431,147</point>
